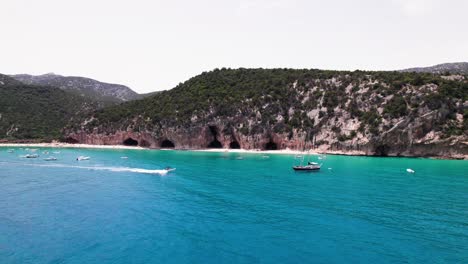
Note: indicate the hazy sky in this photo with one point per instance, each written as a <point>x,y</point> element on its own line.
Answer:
<point>154,45</point>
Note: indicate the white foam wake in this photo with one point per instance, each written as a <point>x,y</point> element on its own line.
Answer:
<point>114,169</point>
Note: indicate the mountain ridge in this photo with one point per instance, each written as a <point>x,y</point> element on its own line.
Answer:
<point>83,86</point>
<point>443,68</point>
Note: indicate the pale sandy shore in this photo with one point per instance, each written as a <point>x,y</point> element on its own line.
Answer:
<point>253,151</point>
<point>283,151</point>
<point>66,145</point>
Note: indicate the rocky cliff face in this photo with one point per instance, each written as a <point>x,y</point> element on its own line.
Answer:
<point>380,114</point>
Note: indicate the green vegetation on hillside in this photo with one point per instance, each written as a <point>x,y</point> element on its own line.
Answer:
<point>36,112</point>
<point>280,100</point>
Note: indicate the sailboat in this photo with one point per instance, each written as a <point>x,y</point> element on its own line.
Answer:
<point>310,166</point>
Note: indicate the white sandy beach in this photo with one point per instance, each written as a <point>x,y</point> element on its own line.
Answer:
<point>251,151</point>
<point>66,145</point>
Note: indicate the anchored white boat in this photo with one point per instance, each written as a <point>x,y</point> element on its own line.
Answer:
<point>83,158</point>
<point>311,166</point>
<point>50,159</point>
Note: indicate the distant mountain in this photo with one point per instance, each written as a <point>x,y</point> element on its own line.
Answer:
<point>99,91</point>
<point>452,68</point>
<point>34,112</point>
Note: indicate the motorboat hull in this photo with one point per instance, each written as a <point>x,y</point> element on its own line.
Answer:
<point>305,168</point>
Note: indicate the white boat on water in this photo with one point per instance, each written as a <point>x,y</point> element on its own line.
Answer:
<point>311,166</point>
<point>56,152</point>
<point>124,157</point>
<point>50,159</point>
<point>410,170</point>
<point>31,156</point>
<point>169,169</point>
<point>83,158</point>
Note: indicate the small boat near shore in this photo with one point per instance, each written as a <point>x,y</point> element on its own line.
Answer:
<point>82,158</point>
<point>50,159</point>
<point>31,156</point>
<point>311,166</point>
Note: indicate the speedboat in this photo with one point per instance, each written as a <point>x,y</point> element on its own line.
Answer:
<point>50,159</point>
<point>82,158</point>
<point>31,156</point>
<point>311,166</point>
<point>168,169</point>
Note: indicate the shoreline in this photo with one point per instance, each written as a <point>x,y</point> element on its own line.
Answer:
<point>67,145</point>
<point>245,151</point>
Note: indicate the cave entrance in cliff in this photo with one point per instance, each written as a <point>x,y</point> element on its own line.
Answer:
<point>215,144</point>
<point>130,142</point>
<point>167,144</point>
<point>271,146</point>
<point>70,140</point>
<point>382,150</point>
<point>234,145</point>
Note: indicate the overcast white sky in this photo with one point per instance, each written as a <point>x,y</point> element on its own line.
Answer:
<point>154,45</point>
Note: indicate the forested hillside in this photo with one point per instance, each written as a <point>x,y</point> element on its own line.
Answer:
<point>376,113</point>
<point>30,112</point>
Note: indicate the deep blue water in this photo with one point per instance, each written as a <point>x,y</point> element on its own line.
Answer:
<point>217,209</point>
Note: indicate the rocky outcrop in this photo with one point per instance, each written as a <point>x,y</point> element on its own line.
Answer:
<point>381,114</point>
<point>406,142</point>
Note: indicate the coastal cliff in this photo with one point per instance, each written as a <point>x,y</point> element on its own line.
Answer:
<point>363,113</point>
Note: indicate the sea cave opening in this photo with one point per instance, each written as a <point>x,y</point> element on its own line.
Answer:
<point>71,140</point>
<point>167,144</point>
<point>271,146</point>
<point>382,150</point>
<point>234,145</point>
<point>130,142</point>
<point>215,144</point>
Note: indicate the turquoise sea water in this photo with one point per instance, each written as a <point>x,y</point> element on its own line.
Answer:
<point>216,208</point>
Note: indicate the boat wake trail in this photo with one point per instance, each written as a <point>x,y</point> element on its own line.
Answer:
<point>113,169</point>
